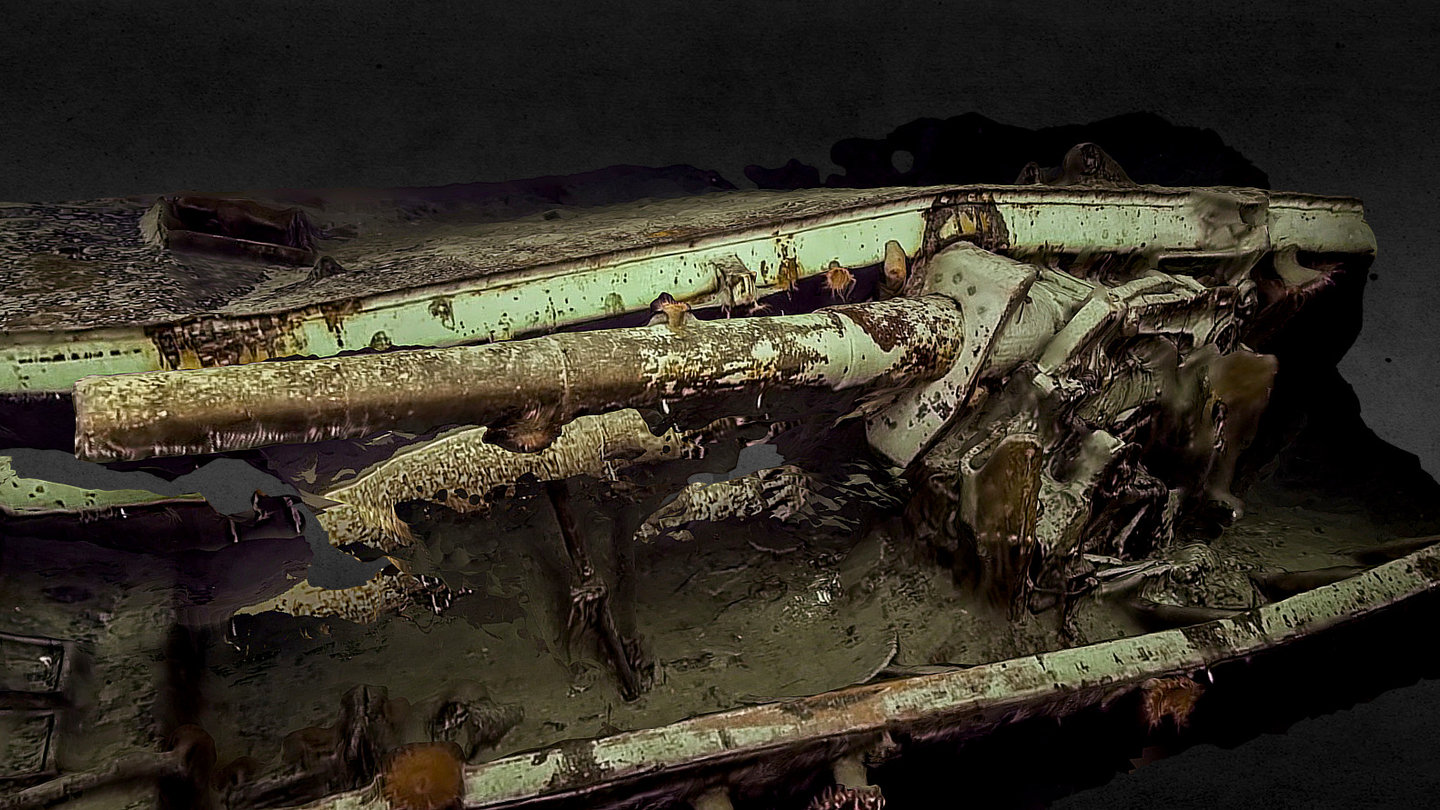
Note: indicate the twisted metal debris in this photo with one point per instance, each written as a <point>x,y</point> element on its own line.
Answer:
<point>1058,375</point>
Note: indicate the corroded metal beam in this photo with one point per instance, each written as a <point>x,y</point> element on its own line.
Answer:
<point>498,281</point>
<point>963,701</point>
<point>525,390</point>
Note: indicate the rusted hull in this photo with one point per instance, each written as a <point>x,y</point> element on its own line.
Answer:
<point>988,412</point>
<point>454,278</point>
<point>861,720</point>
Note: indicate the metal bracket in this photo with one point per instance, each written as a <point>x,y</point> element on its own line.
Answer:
<point>988,288</point>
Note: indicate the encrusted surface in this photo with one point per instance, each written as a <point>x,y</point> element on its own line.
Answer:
<point>360,603</point>
<point>460,470</point>
<point>86,265</point>
<point>973,699</point>
<point>130,416</point>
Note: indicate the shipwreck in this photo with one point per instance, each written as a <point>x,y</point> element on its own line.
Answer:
<point>724,500</point>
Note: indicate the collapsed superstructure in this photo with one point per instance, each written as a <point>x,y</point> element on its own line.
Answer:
<point>610,469</point>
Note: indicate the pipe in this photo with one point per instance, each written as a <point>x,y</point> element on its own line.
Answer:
<point>525,389</point>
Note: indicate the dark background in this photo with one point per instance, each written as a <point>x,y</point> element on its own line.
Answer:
<point>145,97</point>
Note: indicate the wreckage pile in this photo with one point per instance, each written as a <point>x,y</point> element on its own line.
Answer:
<point>606,472</point>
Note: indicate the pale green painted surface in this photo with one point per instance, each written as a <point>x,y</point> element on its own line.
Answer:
<point>532,300</point>
<point>1077,676</point>
<point>29,496</point>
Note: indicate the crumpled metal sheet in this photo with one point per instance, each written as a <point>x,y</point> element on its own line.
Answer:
<point>460,470</point>
<point>362,603</point>
<point>787,493</point>
<point>963,701</point>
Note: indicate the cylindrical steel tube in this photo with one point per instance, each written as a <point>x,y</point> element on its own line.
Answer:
<point>537,384</point>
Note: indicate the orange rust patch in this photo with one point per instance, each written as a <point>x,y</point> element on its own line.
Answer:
<point>789,273</point>
<point>424,776</point>
<point>1174,697</point>
<point>839,281</point>
<point>209,342</point>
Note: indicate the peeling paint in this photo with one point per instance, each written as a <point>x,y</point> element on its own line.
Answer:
<point>967,701</point>
<point>460,470</point>
<point>57,335</point>
<point>176,413</point>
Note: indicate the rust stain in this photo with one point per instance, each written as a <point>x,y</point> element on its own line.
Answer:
<point>968,216</point>
<point>441,311</point>
<point>206,342</point>
<point>1008,501</point>
<point>1174,697</point>
<point>789,273</point>
<point>835,701</point>
<point>336,313</point>
<point>798,708</point>
<point>578,766</point>
<point>729,722</point>
<point>1208,638</point>
<point>886,333</point>
<point>839,281</point>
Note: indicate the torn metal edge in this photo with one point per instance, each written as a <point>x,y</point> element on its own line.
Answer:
<point>521,302</point>
<point>968,701</point>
